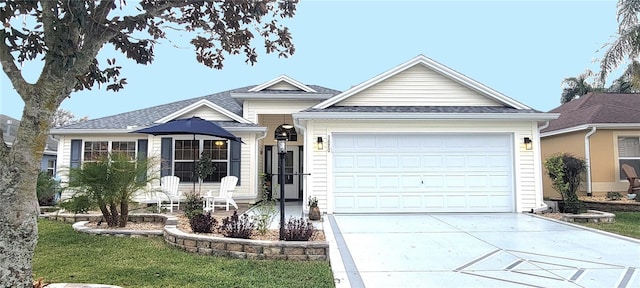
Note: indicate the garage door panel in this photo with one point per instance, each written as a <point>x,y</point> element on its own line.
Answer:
<point>456,201</point>
<point>423,173</point>
<point>412,201</point>
<point>389,201</point>
<point>433,202</point>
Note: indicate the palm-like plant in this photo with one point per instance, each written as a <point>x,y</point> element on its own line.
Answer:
<point>578,86</point>
<point>627,45</point>
<point>629,81</point>
<point>111,182</point>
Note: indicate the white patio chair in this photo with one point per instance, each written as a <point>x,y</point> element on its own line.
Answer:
<point>169,189</point>
<point>224,197</point>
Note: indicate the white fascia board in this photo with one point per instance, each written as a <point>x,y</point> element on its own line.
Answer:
<point>417,116</point>
<point>621,126</point>
<point>278,96</point>
<point>284,78</point>
<point>128,131</point>
<point>91,131</point>
<point>246,129</point>
<point>199,104</point>
<point>439,68</point>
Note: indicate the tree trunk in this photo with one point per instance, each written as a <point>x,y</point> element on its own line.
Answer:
<point>124,212</point>
<point>19,166</point>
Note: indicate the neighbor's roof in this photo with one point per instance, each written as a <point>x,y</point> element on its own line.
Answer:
<point>597,109</point>
<point>9,127</point>
<point>148,116</point>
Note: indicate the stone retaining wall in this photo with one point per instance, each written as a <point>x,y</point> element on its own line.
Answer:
<point>613,206</point>
<point>202,244</point>
<point>245,248</point>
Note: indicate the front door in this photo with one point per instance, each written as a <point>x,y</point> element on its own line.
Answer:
<point>291,168</point>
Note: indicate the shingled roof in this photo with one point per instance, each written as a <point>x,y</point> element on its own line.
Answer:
<point>147,116</point>
<point>597,108</point>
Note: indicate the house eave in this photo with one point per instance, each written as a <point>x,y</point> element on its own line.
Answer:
<point>609,126</point>
<point>278,96</point>
<point>424,116</point>
<point>127,131</point>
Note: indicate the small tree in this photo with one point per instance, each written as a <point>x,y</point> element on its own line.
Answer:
<point>204,168</point>
<point>111,182</point>
<point>566,173</point>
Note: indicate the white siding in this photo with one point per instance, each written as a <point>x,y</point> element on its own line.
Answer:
<point>282,85</point>
<point>206,113</point>
<point>526,162</point>
<point>418,86</point>
<point>246,189</point>
<point>253,108</point>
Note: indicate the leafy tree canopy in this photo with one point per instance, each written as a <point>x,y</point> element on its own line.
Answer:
<point>66,36</point>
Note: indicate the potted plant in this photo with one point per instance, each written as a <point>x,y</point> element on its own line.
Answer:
<point>314,210</point>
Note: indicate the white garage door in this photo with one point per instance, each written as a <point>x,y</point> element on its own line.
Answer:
<point>422,173</point>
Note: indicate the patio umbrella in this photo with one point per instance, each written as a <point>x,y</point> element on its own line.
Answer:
<point>193,126</point>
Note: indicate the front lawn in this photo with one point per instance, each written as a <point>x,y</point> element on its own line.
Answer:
<point>64,255</point>
<point>627,224</point>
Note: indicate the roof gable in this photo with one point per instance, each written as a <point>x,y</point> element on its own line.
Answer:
<point>419,82</point>
<point>282,82</point>
<point>204,109</point>
<point>610,109</point>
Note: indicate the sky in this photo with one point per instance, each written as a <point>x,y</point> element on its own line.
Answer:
<point>522,49</point>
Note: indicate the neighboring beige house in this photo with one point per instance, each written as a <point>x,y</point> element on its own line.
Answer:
<point>603,129</point>
<point>417,138</point>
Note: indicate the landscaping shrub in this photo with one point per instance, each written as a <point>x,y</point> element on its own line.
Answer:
<point>77,204</point>
<point>566,172</point>
<point>236,226</point>
<point>202,223</point>
<point>192,205</point>
<point>111,182</point>
<point>298,230</point>
<point>614,196</point>
<point>46,189</point>
<point>264,213</point>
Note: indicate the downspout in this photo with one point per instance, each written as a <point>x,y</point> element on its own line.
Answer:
<point>257,186</point>
<point>587,158</point>
<point>543,206</point>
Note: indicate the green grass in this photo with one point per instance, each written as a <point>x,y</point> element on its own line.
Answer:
<point>64,255</point>
<point>627,224</point>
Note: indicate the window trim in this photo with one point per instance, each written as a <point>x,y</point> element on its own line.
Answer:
<point>200,149</point>
<point>109,147</point>
<point>616,135</point>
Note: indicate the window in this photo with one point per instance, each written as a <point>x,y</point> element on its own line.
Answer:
<point>94,150</point>
<point>51,167</point>
<point>628,153</point>
<point>184,152</point>
<point>126,147</point>
<point>187,151</point>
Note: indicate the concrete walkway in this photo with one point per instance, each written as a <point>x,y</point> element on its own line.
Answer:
<point>477,250</point>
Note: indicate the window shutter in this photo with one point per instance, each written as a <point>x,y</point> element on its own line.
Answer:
<point>142,155</point>
<point>76,152</point>
<point>236,158</point>
<point>166,155</point>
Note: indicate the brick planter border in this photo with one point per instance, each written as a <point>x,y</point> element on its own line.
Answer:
<point>202,244</point>
<point>592,216</point>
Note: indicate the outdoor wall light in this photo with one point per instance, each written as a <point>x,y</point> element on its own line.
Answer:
<point>218,143</point>
<point>320,143</point>
<point>527,143</point>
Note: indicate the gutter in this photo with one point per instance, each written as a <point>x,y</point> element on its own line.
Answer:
<point>587,158</point>
<point>297,124</point>
<point>432,116</point>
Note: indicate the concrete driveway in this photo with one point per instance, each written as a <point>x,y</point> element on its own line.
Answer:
<point>477,250</point>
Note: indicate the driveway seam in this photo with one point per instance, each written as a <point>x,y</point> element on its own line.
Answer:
<point>350,266</point>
